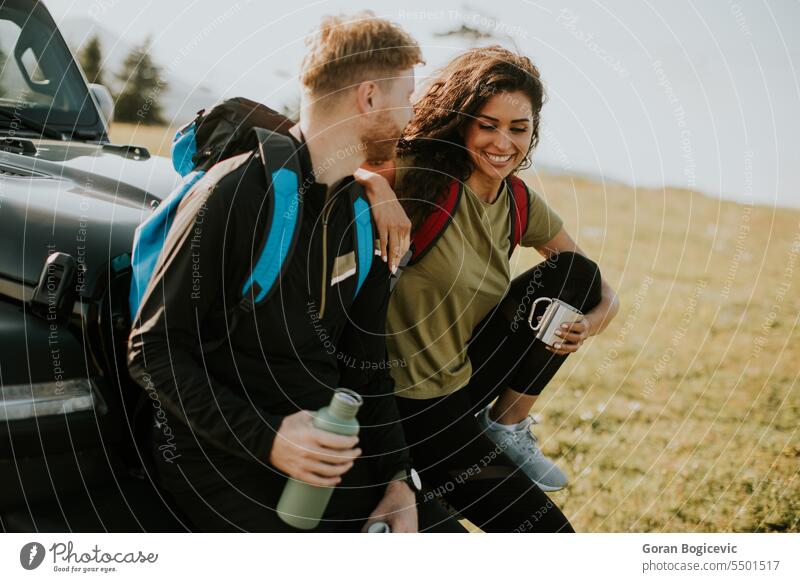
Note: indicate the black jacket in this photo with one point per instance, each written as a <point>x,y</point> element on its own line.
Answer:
<point>310,337</point>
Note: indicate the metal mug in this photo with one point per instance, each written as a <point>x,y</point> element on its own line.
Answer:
<point>556,314</point>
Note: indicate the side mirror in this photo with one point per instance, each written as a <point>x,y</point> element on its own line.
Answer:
<point>104,100</point>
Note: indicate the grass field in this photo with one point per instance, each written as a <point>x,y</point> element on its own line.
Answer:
<point>683,415</point>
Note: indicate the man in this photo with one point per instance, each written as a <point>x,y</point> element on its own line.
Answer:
<point>236,421</point>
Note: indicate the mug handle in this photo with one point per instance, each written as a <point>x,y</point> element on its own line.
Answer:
<point>533,308</point>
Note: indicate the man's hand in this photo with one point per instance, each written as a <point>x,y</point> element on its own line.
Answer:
<point>398,508</point>
<point>309,454</point>
<point>394,227</point>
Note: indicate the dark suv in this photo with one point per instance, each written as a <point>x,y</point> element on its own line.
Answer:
<point>69,203</point>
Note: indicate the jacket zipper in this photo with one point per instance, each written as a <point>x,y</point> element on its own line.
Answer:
<point>325,215</point>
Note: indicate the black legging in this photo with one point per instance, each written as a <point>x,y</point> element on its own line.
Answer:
<point>458,463</point>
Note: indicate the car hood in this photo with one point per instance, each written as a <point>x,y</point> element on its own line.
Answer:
<point>77,198</point>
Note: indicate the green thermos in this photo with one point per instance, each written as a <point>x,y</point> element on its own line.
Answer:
<point>301,505</point>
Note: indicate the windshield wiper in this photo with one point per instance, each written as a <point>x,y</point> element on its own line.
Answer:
<point>31,125</point>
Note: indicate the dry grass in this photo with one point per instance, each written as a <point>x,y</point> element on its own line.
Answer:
<point>683,415</point>
<point>156,138</point>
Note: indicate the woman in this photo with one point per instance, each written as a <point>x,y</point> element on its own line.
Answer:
<point>457,325</point>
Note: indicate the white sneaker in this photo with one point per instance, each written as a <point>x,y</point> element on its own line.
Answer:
<point>521,445</point>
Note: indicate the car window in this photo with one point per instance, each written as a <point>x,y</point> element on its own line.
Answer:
<point>13,87</point>
<point>38,76</point>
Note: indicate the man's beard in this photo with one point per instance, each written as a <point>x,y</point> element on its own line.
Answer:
<point>380,140</point>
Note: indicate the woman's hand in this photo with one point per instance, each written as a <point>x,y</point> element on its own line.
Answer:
<point>595,320</point>
<point>394,227</point>
<point>398,508</point>
<point>572,337</point>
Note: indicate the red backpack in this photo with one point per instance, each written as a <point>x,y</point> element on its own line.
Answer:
<point>423,239</point>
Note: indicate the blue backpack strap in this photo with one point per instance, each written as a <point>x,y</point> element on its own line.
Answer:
<point>282,166</point>
<point>284,210</point>
<point>365,239</point>
<point>184,147</point>
<point>149,240</point>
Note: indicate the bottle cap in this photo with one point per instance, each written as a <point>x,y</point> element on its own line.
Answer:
<point>345,403</point>
<point>379,527</point>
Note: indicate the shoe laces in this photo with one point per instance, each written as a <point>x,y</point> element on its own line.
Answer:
<point>523,432</point>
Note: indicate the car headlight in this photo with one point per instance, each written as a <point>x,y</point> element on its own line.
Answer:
<point>22,401</point>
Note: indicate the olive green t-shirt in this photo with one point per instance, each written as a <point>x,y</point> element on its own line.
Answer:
<point>438,302</point>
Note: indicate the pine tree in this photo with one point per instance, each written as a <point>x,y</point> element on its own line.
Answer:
<point>91,58</point>
<point>140,77</point>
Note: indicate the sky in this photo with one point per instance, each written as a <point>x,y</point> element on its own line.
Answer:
<point>699,95</point>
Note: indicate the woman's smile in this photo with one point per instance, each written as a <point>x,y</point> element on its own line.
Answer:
<point>498,160</point>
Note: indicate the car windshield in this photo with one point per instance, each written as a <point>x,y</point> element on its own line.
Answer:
<point>41,88</point>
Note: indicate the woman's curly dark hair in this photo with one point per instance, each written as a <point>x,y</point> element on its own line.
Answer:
<point>434,138</point>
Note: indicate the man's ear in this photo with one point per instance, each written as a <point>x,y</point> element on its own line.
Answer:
<point>366,94</point>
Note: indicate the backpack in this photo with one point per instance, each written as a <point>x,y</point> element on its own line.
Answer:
<point>434,225</point>
<point>228,129</point>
